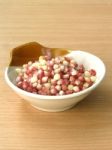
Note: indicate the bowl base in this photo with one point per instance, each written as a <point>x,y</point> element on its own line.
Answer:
<point>53,110</point>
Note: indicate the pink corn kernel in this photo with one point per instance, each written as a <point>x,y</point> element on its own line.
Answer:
<point>64,87</point>
<point>25,85</point>
<point>93,72</point>
<point>19,84</point>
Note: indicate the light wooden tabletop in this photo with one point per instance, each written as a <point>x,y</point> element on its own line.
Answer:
<point>73,24</point>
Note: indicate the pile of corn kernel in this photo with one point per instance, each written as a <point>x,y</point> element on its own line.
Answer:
<point>54,76</point>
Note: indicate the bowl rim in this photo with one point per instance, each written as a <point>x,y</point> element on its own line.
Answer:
<point>60,97</point>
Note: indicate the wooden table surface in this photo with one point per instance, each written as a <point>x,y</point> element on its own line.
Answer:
<point>74,24</point>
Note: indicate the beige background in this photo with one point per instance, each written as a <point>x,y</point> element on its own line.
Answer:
<point>74,24</point>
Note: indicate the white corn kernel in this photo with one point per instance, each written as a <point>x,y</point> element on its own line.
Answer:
<point>24,70</point>
<point>47,85</point>
<point>86,85</point>
<point>51,63</point>
<point>18,70</point>
<point>25,65</point>
<point>25,75</point>
<point>53,91</point>
<point>61,93</point>
<point>77,82</point>
<point>36,64</point>
<point>56,76</point>
<point>34,84</point>
<point>58,87</point>
<point>55,66</point>
<point>59,82</point>
<point>39,86</point>
<point>70,87</point>
<point>44,79</point>
<point>62,67</point>
<point>30,67</point>
<point>44,67</point>
<point>30,63</point>
<point>41,58</point>
<point>33,79</point>
<point>87,73</point>
<point>93,78</point>
<point>57,60</point>
<point>87,79</point>
<point>76,89</point>
<point>57,70</point>
<point>65,63</point>
<point>43,62</point>
<point>66,76</point>
<point>72,61</point>
<point>74,72</point>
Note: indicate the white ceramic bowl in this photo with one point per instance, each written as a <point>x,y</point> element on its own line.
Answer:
<point>60,103</point>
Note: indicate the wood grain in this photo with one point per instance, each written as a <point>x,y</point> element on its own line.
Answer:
<point>85,25</point>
